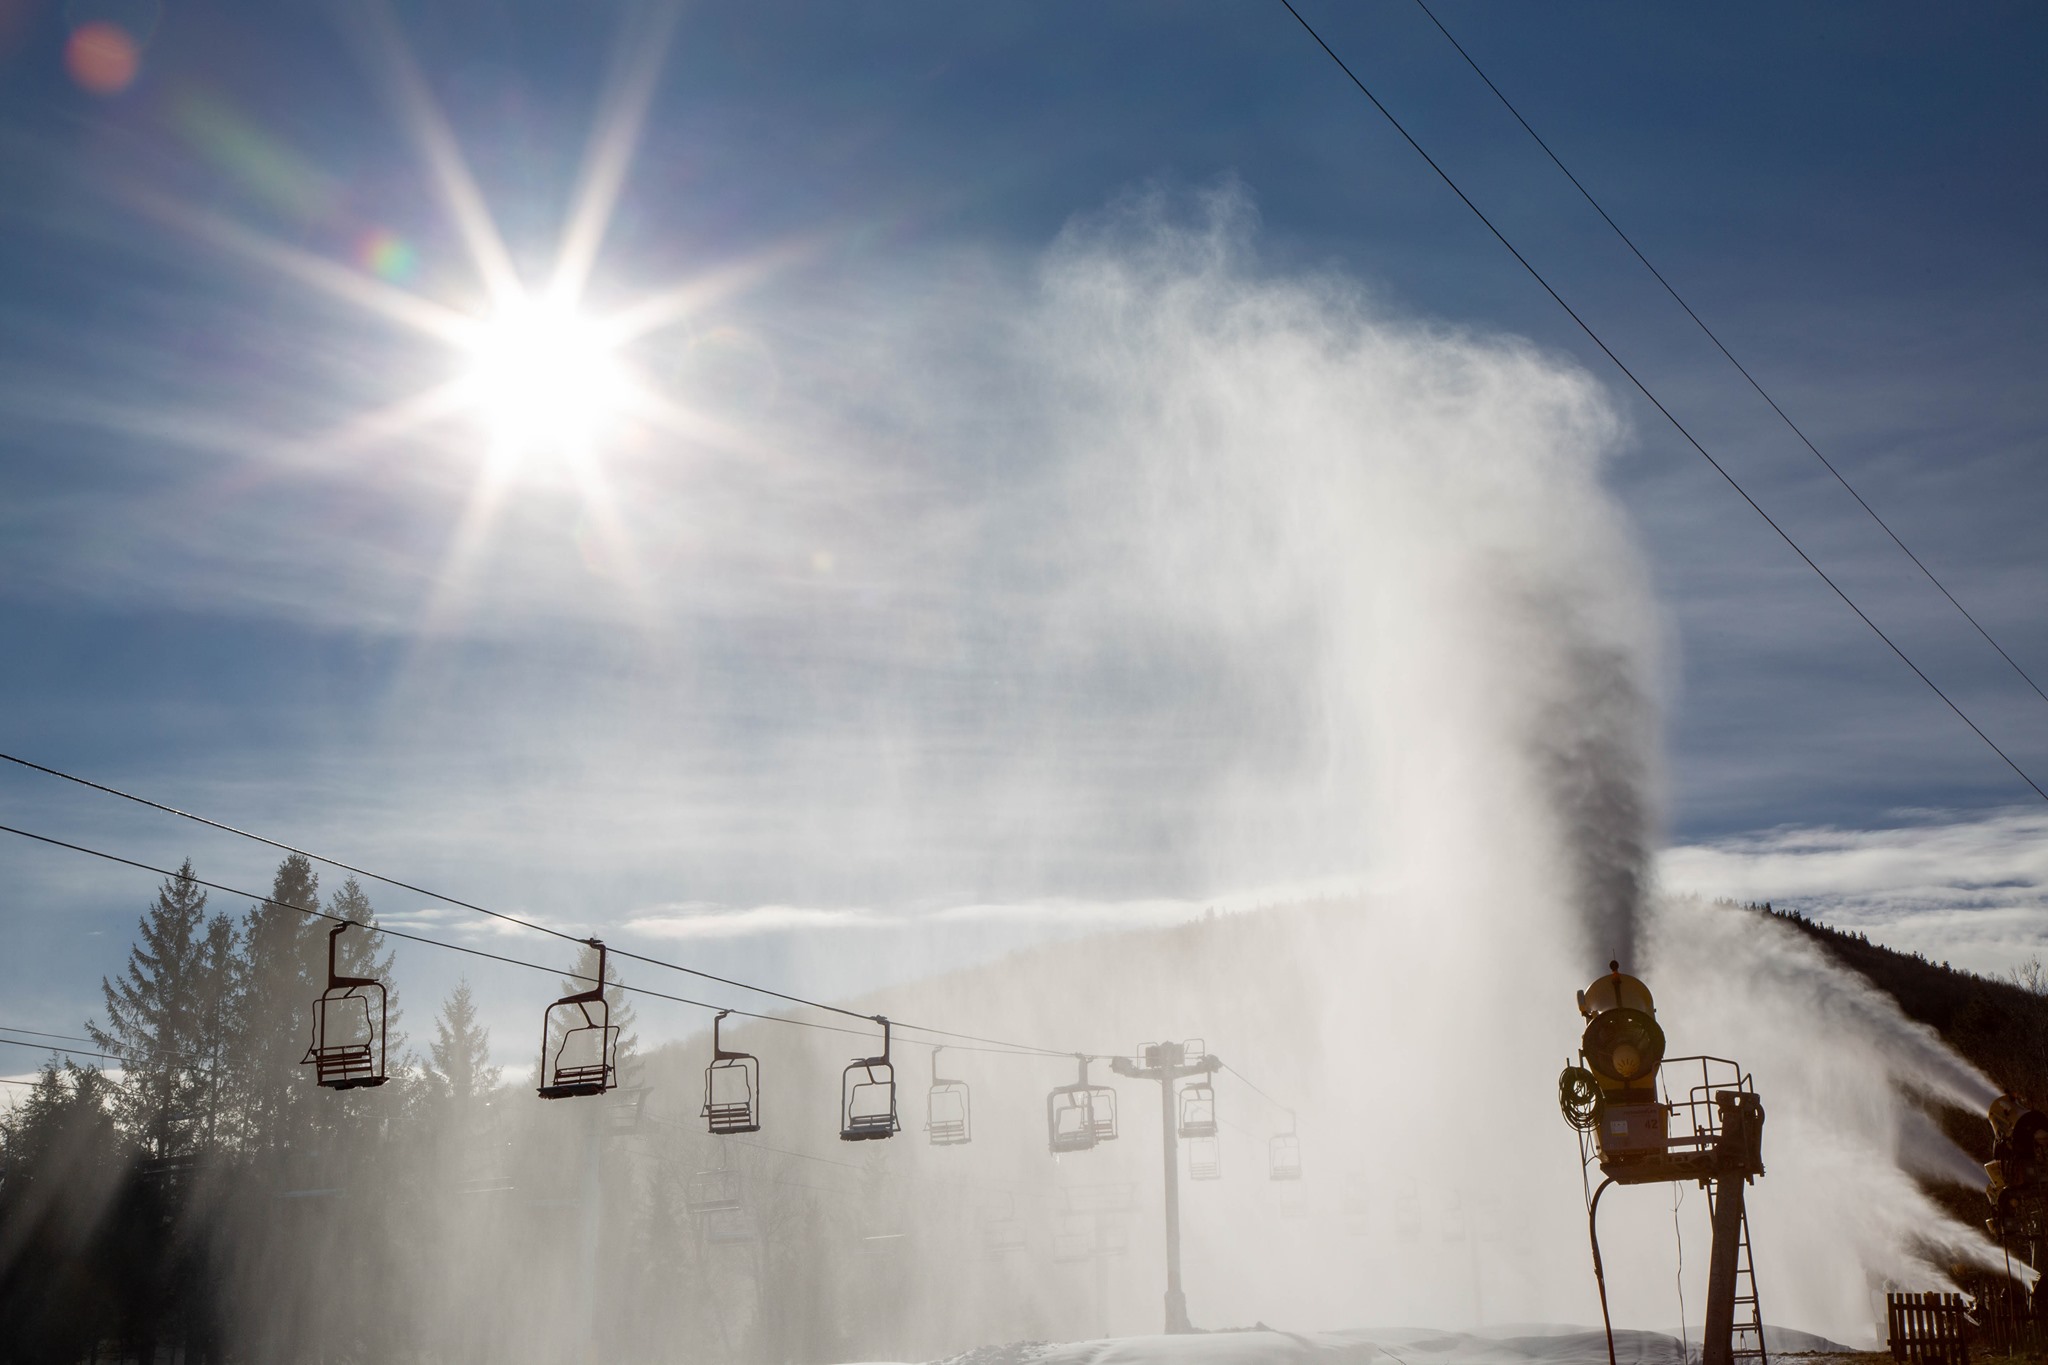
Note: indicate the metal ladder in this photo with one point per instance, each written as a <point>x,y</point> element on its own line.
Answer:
<point>1747,1342</point>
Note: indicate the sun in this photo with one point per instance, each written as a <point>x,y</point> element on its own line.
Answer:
<point>543,380</point>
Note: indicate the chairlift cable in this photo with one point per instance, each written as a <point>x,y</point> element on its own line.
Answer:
<point>38,1033</point>
<point>501,915</point>
<point>999,1048</point>
<point>1283,1108</point>
<point>1655,402</point>
<point>410,937</point>
<point>67,1051</point>
<point>1720,346</point>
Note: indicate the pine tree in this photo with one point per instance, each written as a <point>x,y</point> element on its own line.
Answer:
<point>284,968</point>
<point>461,1051</point>
<point>158,1016</point>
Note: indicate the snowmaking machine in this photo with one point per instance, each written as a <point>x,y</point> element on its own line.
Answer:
<point>2018,1178</point>
<point>1645,1118</point>
<point>2016,1185</point>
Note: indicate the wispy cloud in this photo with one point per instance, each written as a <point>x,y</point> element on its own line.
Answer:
<point>1973,891</point>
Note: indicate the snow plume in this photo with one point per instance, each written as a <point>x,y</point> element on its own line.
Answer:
<point>1390,534</point>
<point>1841,1071</point>
<point>1153,575</point>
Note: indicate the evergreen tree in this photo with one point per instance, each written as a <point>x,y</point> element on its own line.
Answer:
<point>460,1069</point>
<point>283,969</point>
<point>159,1012</point>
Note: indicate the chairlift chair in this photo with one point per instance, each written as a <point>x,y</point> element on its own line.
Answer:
<point>732,1087</point>
<point>1283,1152</point>
<point>1080,1115</point>
<point>715,1191</point>
<point>1198,1110</point>
<point>1205,1159</point>
<point>585,1060</point>
<point>730,1227</point>
<point>868,1096</point>
<point>1073,1238</point>
<point>1001,1230</point>
<point>349,1021</point>
<point>946,1109</point>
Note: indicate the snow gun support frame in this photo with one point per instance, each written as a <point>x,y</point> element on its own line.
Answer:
<point>1621,1097</point>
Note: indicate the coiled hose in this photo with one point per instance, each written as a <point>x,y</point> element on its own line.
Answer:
<point>1579,1098</point>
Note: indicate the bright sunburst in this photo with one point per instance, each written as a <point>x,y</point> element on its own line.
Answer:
<point>543,380</point>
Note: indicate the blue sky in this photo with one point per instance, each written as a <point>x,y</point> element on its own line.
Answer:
<point>210,597</point>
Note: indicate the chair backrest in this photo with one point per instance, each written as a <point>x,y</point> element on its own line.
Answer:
<point>1069,1119</point>
<point>870,1110</point>
<point>350,1021</point>
<point>732,1095</point>
<point>579,1044</point>
<point>947,1114</point>
<point>1197,1110</point>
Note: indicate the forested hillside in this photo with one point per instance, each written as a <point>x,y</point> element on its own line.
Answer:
<point>2000,1025</point>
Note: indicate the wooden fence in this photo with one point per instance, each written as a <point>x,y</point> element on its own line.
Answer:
<point>1928,1329</point>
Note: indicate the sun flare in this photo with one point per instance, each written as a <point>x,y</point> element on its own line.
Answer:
<point>543,380</point>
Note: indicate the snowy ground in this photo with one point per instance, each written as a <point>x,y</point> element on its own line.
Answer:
<point>1517,1345</point>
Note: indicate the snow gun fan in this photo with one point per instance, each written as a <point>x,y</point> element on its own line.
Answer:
<point>584,1042</point>
<point>946,1109</point>
<point>1645,1119</point>
<point>2018,1179</point>
<point>1080,1115</point>
<point>732,1087</point>
<point>349,1021</point>
<point>868,1096</point>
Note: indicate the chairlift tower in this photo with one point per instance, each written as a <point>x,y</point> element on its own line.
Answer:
<point>1167,1063</point>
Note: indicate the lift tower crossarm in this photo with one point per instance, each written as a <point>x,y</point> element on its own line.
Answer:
<point>1167,1063</point>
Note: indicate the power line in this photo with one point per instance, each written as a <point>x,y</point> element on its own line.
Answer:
<point>459,903</point>
<point>1740,368</point>
<point>1654,401</point>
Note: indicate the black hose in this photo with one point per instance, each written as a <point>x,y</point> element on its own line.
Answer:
<point>1599,1273</point>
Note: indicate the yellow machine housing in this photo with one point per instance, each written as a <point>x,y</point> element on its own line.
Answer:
<point>1622,1047</point>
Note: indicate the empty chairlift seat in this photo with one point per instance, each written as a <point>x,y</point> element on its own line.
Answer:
<point>1198,1110</point>
<point>1283,1157</point>
<point>1205,1159</point>
<point>1001,1230</point>
<point>1283,1152</point>
<point>867,1091</point>
<point>579,1043</point>
<point>946,1109</point>
<point>1080,1115</point>
<point>715,1191</point>
<point>349,1021</point>
<point>732,1087</point>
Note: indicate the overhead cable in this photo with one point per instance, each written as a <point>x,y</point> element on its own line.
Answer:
<point>1654,401</point>
<point>1720,346</point>
<point>523,923</point>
